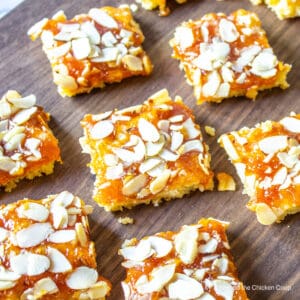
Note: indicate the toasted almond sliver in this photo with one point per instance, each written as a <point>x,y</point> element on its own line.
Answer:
<point>64,199</point>
<point>194,145</point>
<point>14,142</point>
<point>59,51</point>
<point>149,164</point>
<point>177,139</point>
<point>209,247</point>
<point>265,214</point>
<point>228,31</point>
<point>82,278</point>
<point>134,185</point>
<point>24,115</point>
<point>139,252</point>
<point>133,63</point>
<point>148,131</point>
<point>291,124</point>
<point>81,48</point>
<point>159,183</point>
<point>114,172</point>
<point>221,264</point>
<point>58,261</point>
<point>185,287</point>
<point>60,217</point>
<point>161,246</point>
<point>5,284</point>
<point>7,164</point>
<point>6,275</point>
<point>102,129</point>
<point>25,102</point>
<point>65,81</point>
<point>33,235</point>
<point>43,287</point>
<point>184,36</point>
<point>168,155</point>
<point>228,146</point>
<point>33,211</point>
<point>153,149</point>
<point>102,18</point>
<point>98,290</point>
<point>190,130</point>
<point>223,289</point>
<point>81,235</point>
<point>29,264</point>
<point>273,144</point>
<point>90,30</point>
<point>62,236</point>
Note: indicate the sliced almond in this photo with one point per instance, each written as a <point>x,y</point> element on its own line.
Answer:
<point>139,149</point>
<point>62,236</point>
<point>223,289</point>
<point>160,276</point>
<point>168,155</point>
<point>265,214</point>
<point>194,145</point>
<point>59,51</point>
<point>125,155</point>
<point>33,211</point>
<point>6,275</point>
<point>58,262</point>
<point>60,217</point>
<point>7,164</point>
<point>140,252</point>
<point>107,55</point>
<point>134,185</point>
<point>189,129</point>
<point>184,37</point>
<point>102,129</point>
<point>148,131</point>
<point>163,125</point>
<point>228,31</point>
<point>102,18</point>
<point>153,149</point>
<point>102,116</point>
<point>81,48</point>
<point>149,164</point>
<point>221,264</point>
<point>82,278</point>
<point>186,244</point>
<point>209,247</point>
<point>159,183</point>
<point>29,264</point>
<point>133,63</point>
<point>210,88</point>
<point>5,285</point>
<point>44,287</point>
<point>63,199</point>
<point>176,118</point>
<point>185,288</point>
<point>24,115</point>
<point>114,172</point>
<point>98,290</point>
<point>280,176</point>
<point>291,124</point>
<point>25,102</point>
<point>37,28</point>
<point>81,234</point>
<point>70,27</point>
<point>33,235</point>
<point>287,160</point>
<point>90,30</point>
<point>3,236</point>
<point>14,142</point>
<point>65,81</point>
<point>158,170</point>
<point>228,146</point>
<point>161,246</point>
<point>176,140</point>
<point>273,144</point>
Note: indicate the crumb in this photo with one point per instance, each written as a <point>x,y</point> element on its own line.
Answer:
<point>210,130</point>
<point>125,220</point>
<point>225,182</point>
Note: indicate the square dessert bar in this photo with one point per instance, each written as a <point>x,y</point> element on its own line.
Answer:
<point>28,147</point>
<point>46,252</point>
<point>146,153</point>
<point>267,160</point>
<point>227,56</point>
<point>161,4</point>
<point>283,8</point>
<point>194,263</point>
<point>90,50</point>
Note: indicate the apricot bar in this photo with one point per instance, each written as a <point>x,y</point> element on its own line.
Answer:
<point>227,56</point>
<point>90,50</point>
<point>266,158</point>
<point>193,263</point>
<point>283,8</point>
<point>28,147</point>
<point>46,252</point>
<point>146,153</point>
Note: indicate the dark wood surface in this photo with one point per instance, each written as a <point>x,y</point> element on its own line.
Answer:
<point>267,257</point>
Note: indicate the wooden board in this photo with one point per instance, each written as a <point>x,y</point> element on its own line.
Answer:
<point>267,257</point>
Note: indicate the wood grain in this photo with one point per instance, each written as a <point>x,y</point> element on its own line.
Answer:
<point>267,257</point>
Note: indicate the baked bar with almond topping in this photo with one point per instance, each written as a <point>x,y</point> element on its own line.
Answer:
<point>194,263</point>
<point>267,160</point>
<point>28,147</point>
<point>46,252</point>
<point>161,4</point>
<point>227,56</point>
<point>90,50</point>
<point>283,8</point>
<point>146,153</point>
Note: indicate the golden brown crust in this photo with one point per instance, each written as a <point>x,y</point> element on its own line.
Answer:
<point>227,56</point>
<point>146,153</point>
<point>190,264</point>
<point>91,50</point>
<point>267,161</point>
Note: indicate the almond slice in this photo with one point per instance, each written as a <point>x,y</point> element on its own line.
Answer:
<point>185,287</point>
<point>133,63</point>
<point>125,155</point>
<point>60,217</point>
<point>5,285</point>
<point>25,102</point>
<point>81,48</point>
<point>194,145</point>
<point>159,183</point>
<point>153,149</point>
<point>189,129</point>
<point>29,264</point>
<point>160,276</point>
<point>221,264</point>
<point>62,236</point>
<point>168,155</point>
<point>291,124</point>
<point>114,172</point>
<point>107,55</point>
<point>102,129</point>
<point>33,235</point>
<point>82,278</point>
<point>161,246</point>
<point>103,18</point>
<point>58,262</point>
<point>90,30</point>
<point>158,170</point>
<point>81,235</point>
<point>44,287</point>
<point>223,289</point>
<point>228,31</point>
<point>186,244</point>
<point>3,235</point>
<point>265,214</point>
<point>209,247</point>
<point>33,211</point>
<point>138,253</point>
<point>59,51</point>
<point>6,275</point>
<point>63,199</point>
<point>148,131</point>
<point>99,290</point>
<point>176,140</point>
<point>149,164</point>
<point>134,185</point>
<point>273,144</point>
<point>228,146</point>
<point>14,142</point>
<point>24,115</point>
<point>7,164</point>
<point>184,37</point>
